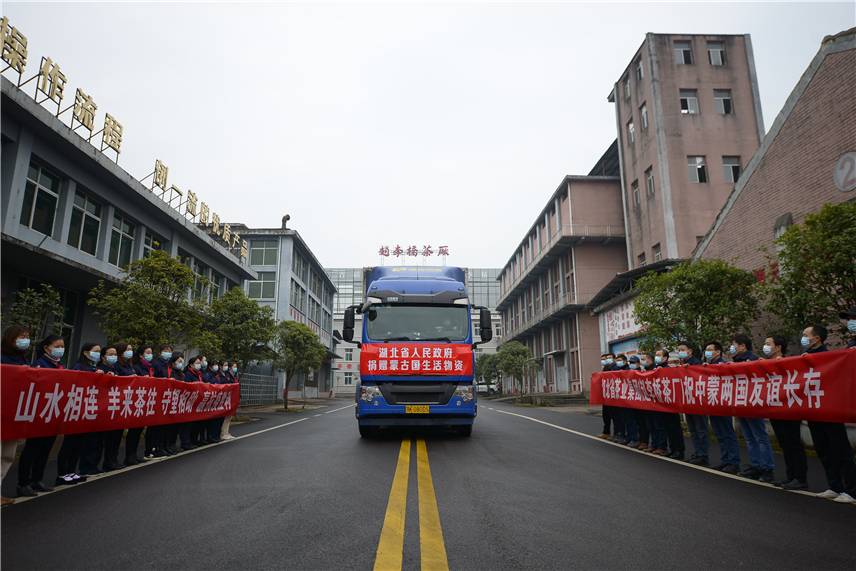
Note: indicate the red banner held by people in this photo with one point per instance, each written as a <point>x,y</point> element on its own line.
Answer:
<point>427,359</point>
<point>47,402</point>
<point>817,386</point>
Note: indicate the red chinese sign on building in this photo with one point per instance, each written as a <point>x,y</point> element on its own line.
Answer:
<point>426,251</point>
<point>422,359</point>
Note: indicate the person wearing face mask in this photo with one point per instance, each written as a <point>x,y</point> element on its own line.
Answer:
<point>171,431</point>
<point>192,374</point>
<point>72,450</point>
<point>13,351</point>
<point>616,414</point>
<point>142,365</point>
<point>34,456</point>
<point>635,364</point>
<point>788,431</point>
<point>606,410</point>
<point>723,426</point>
<point>654,419</point>
<point>124,367</point>
<point>830,438</point>
<point>114,361</point>
<point>208,435</point>
<point>696,423</point>
<point>761,460</point>
<point>230,377</point>
<point>156,436</point>
<point>850,317</point>
<point>672,420</point>
<point>216,428</point>
<point>631,429</point>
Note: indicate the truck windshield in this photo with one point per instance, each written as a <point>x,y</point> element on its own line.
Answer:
<point>394,322</point>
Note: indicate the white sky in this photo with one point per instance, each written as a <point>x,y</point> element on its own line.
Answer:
<point>388,123</point>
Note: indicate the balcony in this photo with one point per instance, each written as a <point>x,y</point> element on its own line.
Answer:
<point>568,303</point>
<point>568,236</point>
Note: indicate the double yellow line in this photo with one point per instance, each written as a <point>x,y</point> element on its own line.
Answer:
<point>390,550</point>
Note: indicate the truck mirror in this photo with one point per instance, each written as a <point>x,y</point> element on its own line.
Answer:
<point>348,325</point>
<point>484,319</point>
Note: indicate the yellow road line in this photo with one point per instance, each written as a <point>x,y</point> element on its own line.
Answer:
<point>431,542</point>
<point>391,547</point>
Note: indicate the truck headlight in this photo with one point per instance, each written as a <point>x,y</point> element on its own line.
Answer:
<point>368,393</point>
<point>464,392</point>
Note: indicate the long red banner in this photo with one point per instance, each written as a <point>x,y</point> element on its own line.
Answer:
<point>46,402</point>
<point>427,359</point>
<point>818,386</point>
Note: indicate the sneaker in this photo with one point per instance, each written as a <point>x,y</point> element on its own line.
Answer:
<point>766,476</point>
<point>721,466</point>
<point>78,477</point>
<point>698,461</point>
<point>603,435</point>
<point>828,494</point>
<point>731,469</point>
<point>633,444</point>
<point>751,472</point>
<point>64,480</point>
<point>795,485</point>
<point>845,499</point>
<point>160,453</point>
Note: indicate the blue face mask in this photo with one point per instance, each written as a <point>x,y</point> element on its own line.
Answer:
<point>166,355</point>
<point>708,355</point>
<point>603,362</point>
<point>609,361</point>
<point>733,349</point>
<point>234,370</point>
<point>197,366</point>
<point>179,366</point>
<point>806,341</point>
<point>57,353</point>
<point>111,359</point>
<point>633,365</point>
<point>215,368</point>
<point>22,344</point>
<point>851,325</point>
<point>683,355</point>
<point>658,360</point>
<point>205,364</point>
<point>128,354</point>
<point>148,357</point>
<point>94,356</point>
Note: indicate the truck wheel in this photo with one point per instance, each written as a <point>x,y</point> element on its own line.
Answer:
<point>464,430</point>
<point>367,431</point>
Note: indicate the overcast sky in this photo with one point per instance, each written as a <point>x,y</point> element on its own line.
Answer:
<point>382,124</point>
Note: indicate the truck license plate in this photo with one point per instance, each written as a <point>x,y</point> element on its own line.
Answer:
<point>417,409</point>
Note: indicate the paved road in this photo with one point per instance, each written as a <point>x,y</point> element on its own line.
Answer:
<point>531,489</point>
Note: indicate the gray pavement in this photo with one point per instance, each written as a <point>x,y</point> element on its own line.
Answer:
<point>531,489</point>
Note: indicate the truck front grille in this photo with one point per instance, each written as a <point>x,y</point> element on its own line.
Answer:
<point>418,392</point>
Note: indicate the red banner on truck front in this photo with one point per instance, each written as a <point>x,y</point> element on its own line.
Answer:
<point>818,386</point>
<point>47,402</point>
<point>428,359</point>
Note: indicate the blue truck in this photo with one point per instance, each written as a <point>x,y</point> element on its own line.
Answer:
<point>416,351</point>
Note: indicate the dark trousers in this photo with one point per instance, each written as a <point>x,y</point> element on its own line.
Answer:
<point>607,411</point>
<point>657,429</point>
<point>93,449</point>
<point>132,441</point>
<point>617,415</point>
<point>216,427</point>
<point>112,442</point>
<point>642,423</point>
<point>836,455</point>
<point>788,435</point>
<point>153,438</point>
<point>184,433</point>
<point>197,431</point>
<point>171,434</point>
<point>631,430</point>
<point>34,458</point>
<point>675,431</point>
<point>69,453</point>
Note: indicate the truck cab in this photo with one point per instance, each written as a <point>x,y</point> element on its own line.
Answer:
<point>416,361</point>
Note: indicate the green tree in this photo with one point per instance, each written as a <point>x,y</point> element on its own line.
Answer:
<point>515,360</point>
<point>814,275</point>
<point>297,351</point>
<point>479,373</point>
<point>40,311</point>
<point>243,327</point>
<point>696,301</point>
<point>152,304</point>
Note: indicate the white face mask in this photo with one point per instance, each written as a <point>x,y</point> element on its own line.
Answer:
<point>768,350</point>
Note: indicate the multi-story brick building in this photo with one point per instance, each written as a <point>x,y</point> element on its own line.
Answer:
<point>688,116</point>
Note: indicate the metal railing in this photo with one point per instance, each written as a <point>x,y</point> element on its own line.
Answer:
<point>566,231</point>
<point>259,389</point>
<point>571,298</point>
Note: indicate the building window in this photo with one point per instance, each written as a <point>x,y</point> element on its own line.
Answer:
<point>40,199</point>
<point>498,330</point>
<point>697,170</point>
<point>644,112</point>
<point>349,355</point>
<point>85,222</point>
<point>121,242</point>
<point>349,379</point>
<point>658,255</point>
<point>640,73</point>
<point>263,252</point>
<point>264,287</point>
<point>627,88</point>
<point>722,99</point>
<point>716,53</point>
<point>683,53</point>
<point>214,288</point>
<point>184,258</point>
<point>298,297</point>
<point>689,102</point>
<point>731,166</point>
<point>649,176</point>
<point>199,272</point>
<point>631,133</point>
<point>150,245</point>
<point>642,261</point>
<point>635,187</point>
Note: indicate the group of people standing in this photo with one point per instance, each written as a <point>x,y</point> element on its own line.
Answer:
<point>82,455</point>
<point>661,433</point>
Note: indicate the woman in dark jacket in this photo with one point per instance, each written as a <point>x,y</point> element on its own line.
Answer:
<point>142,368</point>
<point>162,369</point>
<point>113,361</point>
<point>212,426</point>
<point>192,374</point>
<point>34,456</point>
<point>13,351</point>
<point>86,448</point>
